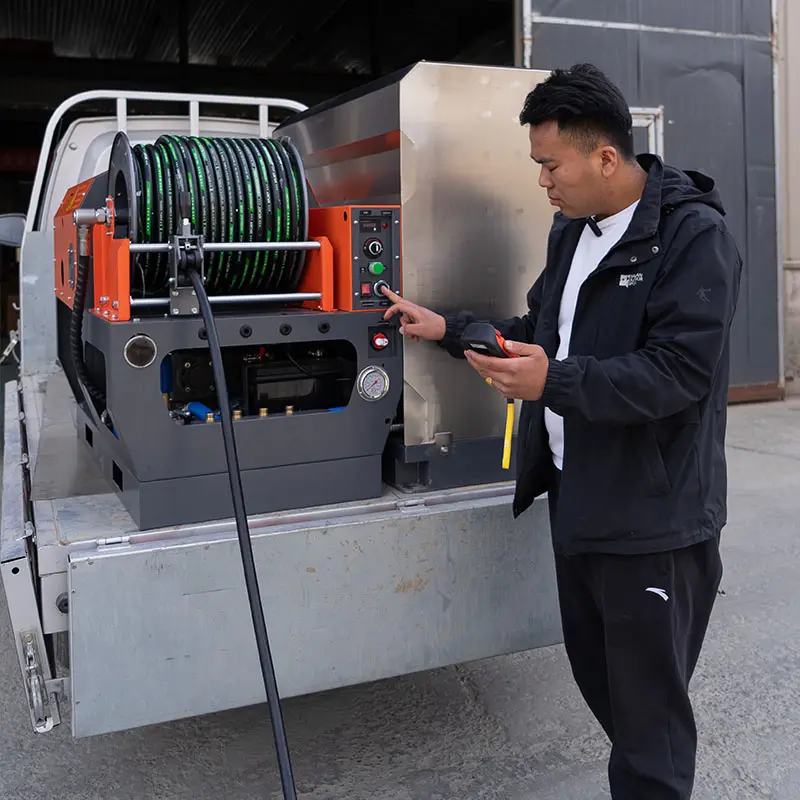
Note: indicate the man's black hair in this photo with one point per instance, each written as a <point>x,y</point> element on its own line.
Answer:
<point>586,105</point>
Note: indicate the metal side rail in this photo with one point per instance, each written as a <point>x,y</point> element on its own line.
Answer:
<point>18,569</point>
<point>121,98</point>
<point>71,152</point>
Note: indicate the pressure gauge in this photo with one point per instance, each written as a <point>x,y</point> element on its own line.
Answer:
<point>373,383</point>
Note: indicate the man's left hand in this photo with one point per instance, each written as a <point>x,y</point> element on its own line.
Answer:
<point>515,378</point>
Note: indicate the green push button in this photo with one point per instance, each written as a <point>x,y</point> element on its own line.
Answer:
<point>376,268</point>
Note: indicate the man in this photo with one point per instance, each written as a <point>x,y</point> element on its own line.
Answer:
<point>624,372</point>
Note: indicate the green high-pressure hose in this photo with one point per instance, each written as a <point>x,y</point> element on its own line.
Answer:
<point>240,190</point>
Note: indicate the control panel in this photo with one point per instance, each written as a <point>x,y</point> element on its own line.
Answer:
<point>376,255</point>
<point>366,252</point>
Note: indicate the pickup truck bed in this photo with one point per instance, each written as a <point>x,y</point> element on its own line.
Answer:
<point>157,624</point>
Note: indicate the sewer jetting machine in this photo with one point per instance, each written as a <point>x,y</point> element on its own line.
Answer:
<point>312,371</point>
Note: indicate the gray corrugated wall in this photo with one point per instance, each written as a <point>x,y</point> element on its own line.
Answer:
<point>717,95</point>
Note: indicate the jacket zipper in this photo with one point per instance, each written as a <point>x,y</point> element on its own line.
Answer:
<point>601,267</point>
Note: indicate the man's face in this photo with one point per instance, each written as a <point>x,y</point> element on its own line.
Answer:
<point>576,183</point>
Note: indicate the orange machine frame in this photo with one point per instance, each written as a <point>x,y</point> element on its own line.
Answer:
<point>111,260</point>
<point>319,275</point>
<point>329,269</point>
<point>65,235</point>
<point>336,223</point>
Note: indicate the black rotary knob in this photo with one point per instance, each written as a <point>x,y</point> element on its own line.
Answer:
<point>373,247</point>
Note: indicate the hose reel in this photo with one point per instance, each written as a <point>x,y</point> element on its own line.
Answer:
<point>235,190</point>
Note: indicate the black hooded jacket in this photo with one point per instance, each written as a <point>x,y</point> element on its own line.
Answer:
<point>643,392</point>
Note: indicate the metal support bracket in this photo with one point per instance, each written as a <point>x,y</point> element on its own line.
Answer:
<point>34,665</point>
<point>183,302</point>
<point>411,506</point>
<point>13,341</point>
<point>38,694</point>
<point>186,252</point>
<point>443,442</point>
<point>59,686</point>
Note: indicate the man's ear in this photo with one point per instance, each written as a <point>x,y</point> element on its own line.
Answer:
<point>609,160</point>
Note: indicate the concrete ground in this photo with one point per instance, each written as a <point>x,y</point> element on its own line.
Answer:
<point>510,728</point>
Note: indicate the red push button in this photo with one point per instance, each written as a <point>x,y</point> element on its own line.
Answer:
<point>380,341</point>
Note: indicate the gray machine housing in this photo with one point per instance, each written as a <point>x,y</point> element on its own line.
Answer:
<point>169,472</point>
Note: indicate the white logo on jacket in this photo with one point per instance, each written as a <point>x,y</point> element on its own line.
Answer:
<point>631,279</point>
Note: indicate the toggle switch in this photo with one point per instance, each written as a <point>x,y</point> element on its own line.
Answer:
<point>380,341</point>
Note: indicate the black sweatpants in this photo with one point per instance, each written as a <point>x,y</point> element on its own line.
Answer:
<point>633,628</point>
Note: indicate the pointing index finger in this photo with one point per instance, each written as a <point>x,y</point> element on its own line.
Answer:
<point>398,304</point>
<point>395,298</point>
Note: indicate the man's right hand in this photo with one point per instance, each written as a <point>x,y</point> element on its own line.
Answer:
<point>415,321</point>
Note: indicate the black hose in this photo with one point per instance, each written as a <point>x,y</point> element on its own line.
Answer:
<point>76,319</point>
<point>240,190</point>
<point>245,545</point>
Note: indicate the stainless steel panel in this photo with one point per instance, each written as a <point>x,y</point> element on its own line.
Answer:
<point>70,523</point>
<point>445,142</point>
<point>475,229</point>
<point>350,151</point>
<point>37,323</point>
<point>162,631</point>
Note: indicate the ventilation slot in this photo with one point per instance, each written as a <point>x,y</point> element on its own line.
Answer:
<point>116,474</point>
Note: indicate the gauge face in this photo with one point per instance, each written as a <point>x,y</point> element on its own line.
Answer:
<point>373,383</point>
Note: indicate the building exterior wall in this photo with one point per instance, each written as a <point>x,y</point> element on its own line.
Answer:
<point>710,65</point>
<point>789,61</point>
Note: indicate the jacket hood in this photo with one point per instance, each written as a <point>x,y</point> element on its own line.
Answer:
<point>678,187</point>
